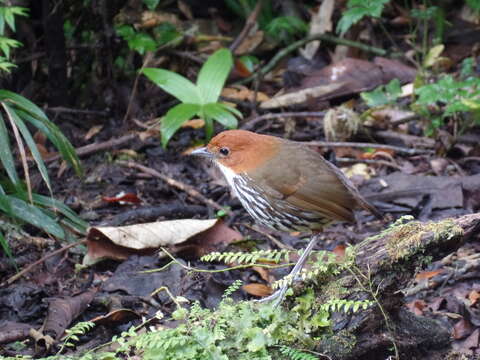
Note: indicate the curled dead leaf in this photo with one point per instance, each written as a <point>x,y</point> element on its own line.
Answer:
<point>257,289</point>
<point>120,242</point>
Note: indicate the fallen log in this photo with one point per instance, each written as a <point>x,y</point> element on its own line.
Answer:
<point>383,266</point>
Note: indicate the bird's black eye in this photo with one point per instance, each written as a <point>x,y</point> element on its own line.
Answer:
<point>224,151</point>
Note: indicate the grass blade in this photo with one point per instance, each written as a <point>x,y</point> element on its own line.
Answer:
<point>31,145</point>
<point>24,211</point>
<point>6,157</point>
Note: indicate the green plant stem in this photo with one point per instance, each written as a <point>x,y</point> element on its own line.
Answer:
<point>324,37</point>
<point>189,268</point>
<point>352,270</point>
<point>208,127</point>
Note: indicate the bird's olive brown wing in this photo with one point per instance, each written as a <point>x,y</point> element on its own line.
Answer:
<point>302,178</point>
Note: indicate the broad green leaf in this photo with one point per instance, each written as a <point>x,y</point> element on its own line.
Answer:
<point>6,248</point>
<point>30,143</point>
<point>174,118</point>
<point>19,209</point>
<point>233,110</point>
<point>357,9</point>
<point>174,84</point>
<point>213,74</point>
<point>22,103</point>
<point>6,157</point>
<point>220,114</point>
<point>151,4</point>
<point>58,206</point>
<point>125,31</point>
<point>2,20</point>
<point>142,42</point>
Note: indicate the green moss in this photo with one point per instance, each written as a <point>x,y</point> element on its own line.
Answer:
<point>341,344</point>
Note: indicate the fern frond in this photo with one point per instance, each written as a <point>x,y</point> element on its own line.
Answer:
<point>295,354</point>
<point>276,256</point>
<point>346,305</point>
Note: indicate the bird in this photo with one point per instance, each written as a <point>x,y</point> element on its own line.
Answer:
<point>284,185</point>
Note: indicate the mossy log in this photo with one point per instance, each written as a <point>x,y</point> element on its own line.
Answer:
<point>384,264</point>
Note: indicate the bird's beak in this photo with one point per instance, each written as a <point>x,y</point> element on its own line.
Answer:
<point>203,152</point>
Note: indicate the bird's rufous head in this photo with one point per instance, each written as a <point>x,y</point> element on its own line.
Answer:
<point>240,150</point>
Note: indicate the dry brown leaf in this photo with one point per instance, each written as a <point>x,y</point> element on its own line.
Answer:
<point>185,9</point>
<point>263,272</point>
<point>425,275</point>
<point>300,96</point>
<point>473,296</point>
<point>257,289</point>
<point>417,307</point>
<point>339,251</point>
<point>250,43</point>
<point>116,317</point>
<point>462,329</point>
<point>94,130</point>
<point>243,93</point>
<point>320,23</point>
<point>194,124</point>
<point>151,19</point>
<point>215,238</point>
<point>120,242</point>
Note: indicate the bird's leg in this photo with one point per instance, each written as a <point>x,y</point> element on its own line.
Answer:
<point>280,293</point>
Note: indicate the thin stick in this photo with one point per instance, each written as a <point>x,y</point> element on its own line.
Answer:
<point>251,123</point>
<point>93,148</point>
<point>370,145</point>
<point>39,261</point>
<point>172,182</point>
<point>251,21</point>
<point>294,46</point>
<point>148,57</point>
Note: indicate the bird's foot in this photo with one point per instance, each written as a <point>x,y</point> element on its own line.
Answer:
<point>277,297</point>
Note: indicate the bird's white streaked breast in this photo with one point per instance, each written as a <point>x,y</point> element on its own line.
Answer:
<point>230,175</point>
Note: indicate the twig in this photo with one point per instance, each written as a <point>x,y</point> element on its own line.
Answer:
<point>39,261</point>
<point>251,123</point>
<point>172,182</point>
<point>92,148</point>
<point>187,55</point>
<point>272,238</point>
<point>148,57</point>
<point>251,21</point>
<point>324,37</point>
<point>190,268</point>
<point>398,149</point>
<point>62,109</point>
<point>369,161</point>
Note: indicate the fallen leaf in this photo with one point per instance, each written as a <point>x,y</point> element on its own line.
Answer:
<point>257,289</point>
<point>250,43</point>
<point>94,130</point>
<point>123,198</point>
<point>339,251</point>
<point>425,275</point>
<point>120,242</point>
<point>215,238</point>
<point>417,307</point>
<point>116,317</point>
<point>194,124</point>
<point>462,329</point>
<point>263,272</point>
<point>473,296</point>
